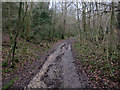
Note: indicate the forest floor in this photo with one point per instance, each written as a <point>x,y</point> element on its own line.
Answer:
<point>55,68</point>
<point>96,66</point>
<point>28,63</point>
<point>55,65</point>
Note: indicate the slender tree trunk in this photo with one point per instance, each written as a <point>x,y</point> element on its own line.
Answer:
<point>93,26</point>
<point>19,28</point>
<point>64,15</point>
<point>54,21</point>
<point>84,17</point>
<point>84,21</point>
<point>25,15</point>
<point>78,22</point>
<point>118,26</point>
<point>97,30</point>
<point>112,29</point>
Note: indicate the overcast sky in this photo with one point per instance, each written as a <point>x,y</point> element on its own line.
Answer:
<point>59,0</point>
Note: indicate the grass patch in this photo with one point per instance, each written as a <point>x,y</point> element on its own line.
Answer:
<point>4,64</point>
<point>7,70</point>
<point>8,85</point>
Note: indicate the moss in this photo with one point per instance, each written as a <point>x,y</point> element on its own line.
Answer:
<point>8,85</point>
<point>118,79</point>
<point>4,64</point>
<point>6,70</point>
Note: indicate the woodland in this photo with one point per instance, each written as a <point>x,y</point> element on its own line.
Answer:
<point>31,28</point>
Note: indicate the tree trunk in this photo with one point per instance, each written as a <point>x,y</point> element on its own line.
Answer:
<point>118,26</point>
<point>78,22</point>
<point>112,29</point>
<point>19,28</point>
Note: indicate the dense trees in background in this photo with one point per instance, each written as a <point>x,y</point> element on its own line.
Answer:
<point>97,24</point>
<point>100,30</point>
<point>33,22</point>
<point>33,26</point>
<point>118,26</point>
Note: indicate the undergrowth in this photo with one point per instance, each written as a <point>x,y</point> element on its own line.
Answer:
<point>97,68</point>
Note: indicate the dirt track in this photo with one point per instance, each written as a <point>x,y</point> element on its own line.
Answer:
<point>59,70</point>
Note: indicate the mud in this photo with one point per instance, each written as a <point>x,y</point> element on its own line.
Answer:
<point>59,70</point>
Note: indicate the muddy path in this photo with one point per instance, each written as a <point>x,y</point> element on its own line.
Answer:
<point>59,70</point>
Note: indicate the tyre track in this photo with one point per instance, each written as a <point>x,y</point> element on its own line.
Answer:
<point>59,70</point>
